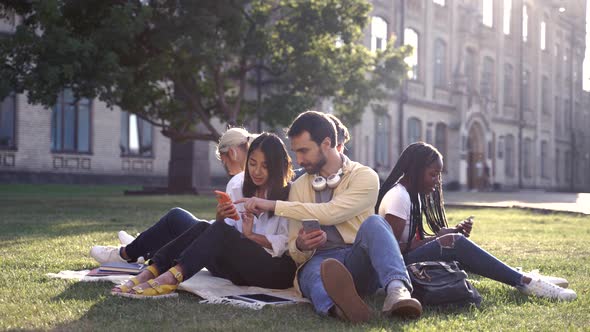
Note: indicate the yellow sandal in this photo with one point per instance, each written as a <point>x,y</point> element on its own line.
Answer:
<point>126,289</point>
<point>156,290</point>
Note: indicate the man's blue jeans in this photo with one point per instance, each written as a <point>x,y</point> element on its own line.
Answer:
<point>470,255</point>
<point>373,261</point>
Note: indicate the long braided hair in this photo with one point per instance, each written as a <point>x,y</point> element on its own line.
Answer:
<point>411,166</point>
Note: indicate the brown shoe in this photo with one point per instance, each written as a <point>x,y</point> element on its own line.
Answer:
<point>340,287</point>
<point>399,302</point>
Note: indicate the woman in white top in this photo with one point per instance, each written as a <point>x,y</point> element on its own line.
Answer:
<point>412,191</point>
<point>250,251</point>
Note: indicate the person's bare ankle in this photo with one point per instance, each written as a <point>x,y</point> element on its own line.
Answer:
<point>526,280</point>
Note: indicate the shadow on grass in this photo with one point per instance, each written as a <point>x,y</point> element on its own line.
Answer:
<point>186,313</point>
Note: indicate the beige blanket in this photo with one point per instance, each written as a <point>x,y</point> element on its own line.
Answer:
<point>203,284</point>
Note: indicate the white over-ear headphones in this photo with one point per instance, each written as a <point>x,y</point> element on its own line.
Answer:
<point>320,183</point>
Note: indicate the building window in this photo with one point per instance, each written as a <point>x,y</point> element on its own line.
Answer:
<point>440,63</point>
<point>543,35</point>
<point>558,123</point>
<point>525,23</point>
<point>544,159</point>
<point>470,66</point>
<point>566,115</point>
<point>70,124</point>
<point>557,168</point>
<point>378,34</point>
<point>508,84</point>
<point>414,130</point>
<point>382,140</point>
<point>440,138</point>
<point>8,123</point>
<point>546,94</point>
<point>488,13</point>
<point>509,153</point>
<point>567,166</point>
<point>526,157</point>
<point>486,85</point>
<point>136,136</point>
<point>500,147</point>
<point>507,16</point>
<point>525,89</point>
<point>411,38</point>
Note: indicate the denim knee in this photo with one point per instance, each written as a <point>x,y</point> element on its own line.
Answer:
<point>375,223</point>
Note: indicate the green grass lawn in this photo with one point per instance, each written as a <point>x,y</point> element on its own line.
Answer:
<point>51,228</point>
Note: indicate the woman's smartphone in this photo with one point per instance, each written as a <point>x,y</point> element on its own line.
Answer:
<point>310,225</point>
<point>223,197</point>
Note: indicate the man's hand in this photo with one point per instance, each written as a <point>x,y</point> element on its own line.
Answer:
<point>256,205</point>
<point>312,240</point>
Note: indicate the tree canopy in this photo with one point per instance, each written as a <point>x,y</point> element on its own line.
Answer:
<point>181,63</point>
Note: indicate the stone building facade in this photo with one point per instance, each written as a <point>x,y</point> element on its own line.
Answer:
<point>497,125</point>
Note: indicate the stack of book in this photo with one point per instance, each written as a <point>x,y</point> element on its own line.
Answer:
<point>116,268</point>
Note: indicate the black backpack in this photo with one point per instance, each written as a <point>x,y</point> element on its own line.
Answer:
<point>442,283</point>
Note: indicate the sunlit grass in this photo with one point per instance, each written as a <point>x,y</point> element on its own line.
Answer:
<point>51,228</point>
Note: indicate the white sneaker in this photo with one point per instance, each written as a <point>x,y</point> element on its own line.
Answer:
<point>534,274</point>
<point>106,254</point>
<point>542,288</point>
<point>125,238</point>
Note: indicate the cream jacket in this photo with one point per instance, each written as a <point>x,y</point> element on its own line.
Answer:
<point>353,201</point>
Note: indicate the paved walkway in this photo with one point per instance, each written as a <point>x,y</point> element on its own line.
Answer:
<point>567,202</point>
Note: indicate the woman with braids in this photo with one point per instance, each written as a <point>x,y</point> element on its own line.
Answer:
<point>413,192</point>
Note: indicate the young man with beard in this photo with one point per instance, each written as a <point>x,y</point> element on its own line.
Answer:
<point>354,252</point>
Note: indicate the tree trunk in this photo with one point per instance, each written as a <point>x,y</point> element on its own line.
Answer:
<point>188,168</point>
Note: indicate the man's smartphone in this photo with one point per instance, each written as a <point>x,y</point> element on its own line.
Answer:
<point>310,225</point>
<point>223,197</point>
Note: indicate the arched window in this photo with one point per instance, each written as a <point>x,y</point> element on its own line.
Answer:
<point>526,157</point>
<point>440,63</point>
<point>469,68</point>
<point>382,140</point>
<point>411,38</point>
<point>508,84</point>
<point>440,138</point>
<point>543,33</point>
<point>486,84</point>
<point>414,130</point>
<point>525,23</point>
<point>507,16</point>
<point>557,164</point>
<point>70,124</point>
<point>488,13</point>
<point>526,87</point>
<point>544,159</point>
<point>378,33</point>
<point>546,94</point>
<point>509,156</point>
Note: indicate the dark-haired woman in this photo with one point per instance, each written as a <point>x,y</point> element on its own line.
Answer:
<point>251,251</point>
<point>413,190</point>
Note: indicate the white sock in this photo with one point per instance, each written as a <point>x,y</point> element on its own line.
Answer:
<point>395,284</point>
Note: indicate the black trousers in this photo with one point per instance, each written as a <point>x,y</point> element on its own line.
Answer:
<point>227,254</point>
<point>171,225</point>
